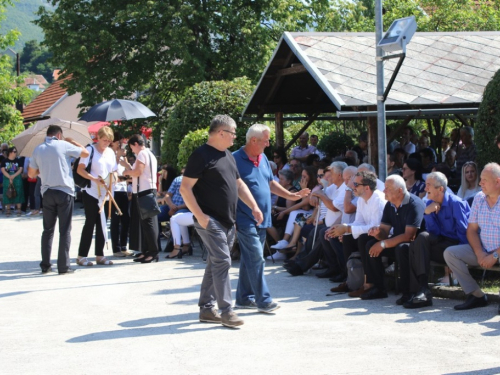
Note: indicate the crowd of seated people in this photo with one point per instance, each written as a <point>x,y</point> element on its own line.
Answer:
<point>416,216</point>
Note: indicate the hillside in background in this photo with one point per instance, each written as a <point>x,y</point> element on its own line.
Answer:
<point>19,17</point>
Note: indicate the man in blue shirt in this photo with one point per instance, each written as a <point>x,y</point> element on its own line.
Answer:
<point>446,217</point>
<point>254,169</point>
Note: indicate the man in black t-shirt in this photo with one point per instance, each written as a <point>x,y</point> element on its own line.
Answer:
<point>211,187</point>
<point>403,213</point>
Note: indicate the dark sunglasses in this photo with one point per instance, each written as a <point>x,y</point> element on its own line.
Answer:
<point>357,184</point>
<point>320,175</point>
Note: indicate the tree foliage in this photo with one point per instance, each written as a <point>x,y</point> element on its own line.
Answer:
<point>488,123</point>
<point>34,59</point>
<point>11,89</point>
<point>199,105</point>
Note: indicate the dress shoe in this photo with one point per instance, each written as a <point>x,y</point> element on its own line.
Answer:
<point>342,288</point>
<point>295,270</point>
<point>325,274</point>
<point>358,293</point>
<point>46,270</point>
<point>403,299</point>
<point>374,293</point>
<point>340,278</point>
<point>472,302</point>
<point>422,299</point>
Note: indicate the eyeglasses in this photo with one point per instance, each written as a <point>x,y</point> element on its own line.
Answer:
<point>358,184</point>
<point>230,132</point>
<point>320,175</point>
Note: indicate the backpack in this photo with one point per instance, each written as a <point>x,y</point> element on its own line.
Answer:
<point>355,272</point>
<point>79,180</point>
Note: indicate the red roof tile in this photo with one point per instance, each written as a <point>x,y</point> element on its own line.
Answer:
<point>44,101</point>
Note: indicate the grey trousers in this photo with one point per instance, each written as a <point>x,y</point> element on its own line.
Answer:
<point>57,205</point>
<point>425,248</point>
<point>216,285</point>
<point>457,258</point>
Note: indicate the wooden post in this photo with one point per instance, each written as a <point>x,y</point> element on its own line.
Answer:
<point>372,142</point>
<point>278,127</point>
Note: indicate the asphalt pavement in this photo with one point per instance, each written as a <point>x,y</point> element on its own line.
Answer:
<point>134,318</point>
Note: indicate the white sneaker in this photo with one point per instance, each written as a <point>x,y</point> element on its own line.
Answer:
<point>281,244</point>
<point>277,256</point>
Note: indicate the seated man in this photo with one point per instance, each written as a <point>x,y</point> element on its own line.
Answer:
<point>446,218</point>
<point>371,204</point>
<point>403,213</point>
<point>370,168</point>
<point>483,235</point>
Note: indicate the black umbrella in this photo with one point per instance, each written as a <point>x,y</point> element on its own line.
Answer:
<point>117,109</point>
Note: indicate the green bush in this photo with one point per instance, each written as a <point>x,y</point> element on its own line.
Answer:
<point>335,144</point>
<point>488,123</point>
<point>191,142</point>
<point>199,105</point>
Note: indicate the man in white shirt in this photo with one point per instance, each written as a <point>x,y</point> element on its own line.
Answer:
<point>365,167</point>
<point>371,205</point>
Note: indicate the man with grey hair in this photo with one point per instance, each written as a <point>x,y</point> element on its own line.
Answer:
<point>446,218</point>
<point>211,187</point>
<point>467,150</point>
<point>303,150</point>
<point>403,213</point>
<point>483,236</point>
<point>365,167</point>
<point>254,169</point>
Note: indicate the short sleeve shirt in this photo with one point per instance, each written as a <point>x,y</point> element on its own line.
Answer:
<point>215,191</point>
<point>11,166</point>
<point>488,220</point>
<point>102,165</point>
<point>409,214</point>
<point>257,178</point>
<point>174,193</point>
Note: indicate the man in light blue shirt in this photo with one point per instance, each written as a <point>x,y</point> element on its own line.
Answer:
<point>52,162</point>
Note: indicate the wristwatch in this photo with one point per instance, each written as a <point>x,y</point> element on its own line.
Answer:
<point>382,244</point>
<point>496,256</point>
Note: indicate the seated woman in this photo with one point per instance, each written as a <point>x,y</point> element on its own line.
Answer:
<point>470,181</point>
<point>285,180</point>
<point>308,180</point>
<point>412,174</point>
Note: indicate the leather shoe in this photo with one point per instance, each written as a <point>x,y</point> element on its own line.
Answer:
<point>295,270</point>
<point>422,299</point>
<point>403,299</point>
<point>69,271</point>
<point>374,293</point>
<point>342,288</point>
<point>325,274</point>
<point>472,302</point>
<point>357,293</point>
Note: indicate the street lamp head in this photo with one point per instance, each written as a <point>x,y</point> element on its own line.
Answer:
<point>399,34</point>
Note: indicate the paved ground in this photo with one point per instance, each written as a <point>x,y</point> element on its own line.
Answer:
<point>143,319</point>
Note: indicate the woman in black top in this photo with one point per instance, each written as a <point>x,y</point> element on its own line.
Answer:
<point>11,169</point>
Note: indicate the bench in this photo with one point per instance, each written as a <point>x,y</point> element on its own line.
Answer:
<point>495,268</point>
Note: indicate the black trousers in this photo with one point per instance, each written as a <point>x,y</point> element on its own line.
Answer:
<point>92,220</point>
<point>57,206</point>
<point>312,254</point>
<point>119,223</point>
<point>425,248</point>
<point>143,233</point>
<point>333,253</point>
<point>374,268</point>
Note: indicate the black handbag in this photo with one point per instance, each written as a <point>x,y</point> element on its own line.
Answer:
<point>148,206</point>
<point>79,180</point>
<point>11,191</point>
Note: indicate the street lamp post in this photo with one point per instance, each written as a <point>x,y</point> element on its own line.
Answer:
<point>396,38</point>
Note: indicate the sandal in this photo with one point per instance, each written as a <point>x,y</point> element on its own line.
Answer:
<point>84,262</point>
<point>103,261</point>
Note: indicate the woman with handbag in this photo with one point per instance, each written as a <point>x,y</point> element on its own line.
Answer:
<point>144,209</point>
<point>103,164</point>
<point>13,192</point>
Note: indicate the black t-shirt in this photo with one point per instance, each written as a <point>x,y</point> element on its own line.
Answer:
<point>409,214</point>
<point>215,191</point>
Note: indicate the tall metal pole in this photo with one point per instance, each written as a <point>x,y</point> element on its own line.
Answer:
<point>19,105</point>
<point>382,138</point>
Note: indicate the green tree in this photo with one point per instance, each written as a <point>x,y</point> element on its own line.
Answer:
<point>34,59</point>
<point>488,123</point>
<point>11,89</point>
<point>199,105</point>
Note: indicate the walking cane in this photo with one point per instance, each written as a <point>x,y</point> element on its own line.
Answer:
<point>316,224</point>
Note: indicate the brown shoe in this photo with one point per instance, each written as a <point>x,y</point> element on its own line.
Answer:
<point>231,320</point>
<point>342,288</point>
<point>210,316</point>
<point>357,293</point>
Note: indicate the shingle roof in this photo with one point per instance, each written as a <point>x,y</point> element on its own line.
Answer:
<point>44,101</point>
<point>440,70</point>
